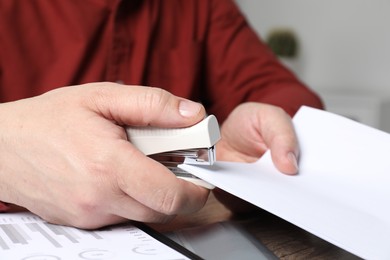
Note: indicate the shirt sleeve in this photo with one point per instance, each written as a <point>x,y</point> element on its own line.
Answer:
<point>4,207</point>
<point>242,68</point>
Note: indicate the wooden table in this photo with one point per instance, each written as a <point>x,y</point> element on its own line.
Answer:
<point>285,240</point>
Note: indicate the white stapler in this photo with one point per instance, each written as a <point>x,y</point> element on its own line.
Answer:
<point>172,146</point>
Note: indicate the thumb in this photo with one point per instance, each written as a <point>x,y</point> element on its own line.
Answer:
<point>280,137</point>
<point>143,106</point>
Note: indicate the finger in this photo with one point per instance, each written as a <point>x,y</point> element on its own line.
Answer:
<point>128,208</point>
<point>154,186</point>
<point>140,177</point>
<point>83,223</point>
<point>280,137</point>
<point>141,106</point>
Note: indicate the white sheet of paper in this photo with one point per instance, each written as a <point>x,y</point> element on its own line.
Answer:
<point>342,191</point>
<point>25,236</point>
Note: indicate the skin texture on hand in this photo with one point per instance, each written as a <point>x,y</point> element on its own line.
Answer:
<point>253,128</point>
<point>65,156</point>
<point>250,130</point>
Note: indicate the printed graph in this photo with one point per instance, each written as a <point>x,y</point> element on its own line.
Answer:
<point>25,236</point>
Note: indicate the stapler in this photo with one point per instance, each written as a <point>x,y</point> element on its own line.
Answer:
<point>172,146</point>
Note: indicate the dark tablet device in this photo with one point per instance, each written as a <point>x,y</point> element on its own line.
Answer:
<point>223,240</point>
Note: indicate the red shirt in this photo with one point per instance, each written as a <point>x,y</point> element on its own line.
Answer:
<point>203,50</point>
<point>199,49</point>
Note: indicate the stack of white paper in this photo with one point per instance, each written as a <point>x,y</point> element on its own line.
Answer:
<point>342,191</point>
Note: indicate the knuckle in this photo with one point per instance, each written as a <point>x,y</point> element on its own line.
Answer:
<point>96,93</point>
<point>88,199</point>
<point>87,207</point>
<point>152,216</point>
<point>152,102</point>
<point>168,202</point>
<point>88,202</point>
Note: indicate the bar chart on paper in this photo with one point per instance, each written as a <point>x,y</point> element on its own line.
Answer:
<point>25,236</point>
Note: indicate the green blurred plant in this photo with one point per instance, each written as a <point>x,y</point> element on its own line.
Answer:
<point>283,43</point>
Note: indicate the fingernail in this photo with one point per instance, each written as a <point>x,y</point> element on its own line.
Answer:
<point>189,108</point>
<point>293,159</point>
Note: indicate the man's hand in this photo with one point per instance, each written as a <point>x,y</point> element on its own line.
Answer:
<point>65,156</point>
<point>250,130</point>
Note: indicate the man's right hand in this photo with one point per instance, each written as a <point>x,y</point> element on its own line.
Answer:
<point>65,156</point>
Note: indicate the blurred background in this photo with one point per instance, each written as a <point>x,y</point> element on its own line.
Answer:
<point>340,48</point>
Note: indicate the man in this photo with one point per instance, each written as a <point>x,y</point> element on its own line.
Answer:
<point>64,154</point>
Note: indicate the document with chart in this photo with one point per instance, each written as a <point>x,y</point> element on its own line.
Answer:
<point>25,236</point>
